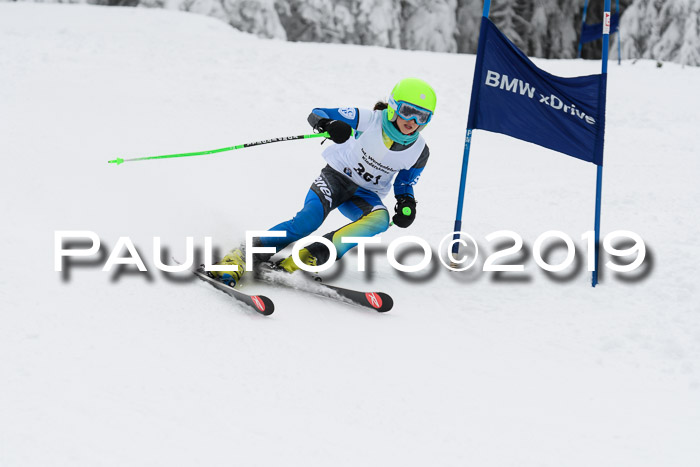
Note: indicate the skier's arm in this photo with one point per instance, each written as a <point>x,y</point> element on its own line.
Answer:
<point>340,122</point>
<point>356,118</point>
<point>349,115</point>
<point>406,178</point>
<point>405,208</point>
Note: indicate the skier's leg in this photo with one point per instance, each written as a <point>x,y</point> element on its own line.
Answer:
<point>305,222</point>
<point>369,225</point>
<point>328,191</point>
<point>370,217</point>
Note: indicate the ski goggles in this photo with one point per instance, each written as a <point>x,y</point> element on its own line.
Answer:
<point>408,111</point>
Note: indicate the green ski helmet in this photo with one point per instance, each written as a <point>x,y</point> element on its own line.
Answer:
<point>412,99</point>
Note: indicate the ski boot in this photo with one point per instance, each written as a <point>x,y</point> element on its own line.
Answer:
<point>288,264</point>
<point>235,257</point>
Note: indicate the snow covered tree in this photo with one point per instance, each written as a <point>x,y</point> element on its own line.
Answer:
<point>377,22</point>
<point>540,28</point>
<point>662,30</point>
<point>255,16</point>
<point>203,7</point>
<point>552,31</point>
<point>689,53</point>
<point>429,25</point>
<point>468,22</point>
<point>655,29</point>
<point>317,20</point>
<point>678,31</point>
<point>508,17</point>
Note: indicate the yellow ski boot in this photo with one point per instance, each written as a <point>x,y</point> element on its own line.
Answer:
<point>231,278</point>
<point>305,256</point>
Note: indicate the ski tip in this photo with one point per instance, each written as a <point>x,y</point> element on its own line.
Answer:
<point>380,301</point>
<point>388,302</point>
<point>259,303</point>
<point>263,305</point>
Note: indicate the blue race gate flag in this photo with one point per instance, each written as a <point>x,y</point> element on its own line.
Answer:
<point>510,95</point>
<point>592,32</point>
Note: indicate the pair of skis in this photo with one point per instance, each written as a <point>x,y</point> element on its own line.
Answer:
<point>377,301</point>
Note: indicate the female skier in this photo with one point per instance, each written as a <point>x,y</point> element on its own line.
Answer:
<point>386,141</point>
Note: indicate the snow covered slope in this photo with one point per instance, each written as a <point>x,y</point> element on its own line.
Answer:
<point>146,369</point>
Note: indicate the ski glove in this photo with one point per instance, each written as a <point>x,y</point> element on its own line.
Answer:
<point>339,131</point>
<point>405,211</point>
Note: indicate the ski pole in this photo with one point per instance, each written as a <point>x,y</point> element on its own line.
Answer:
<point>119,160</point>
